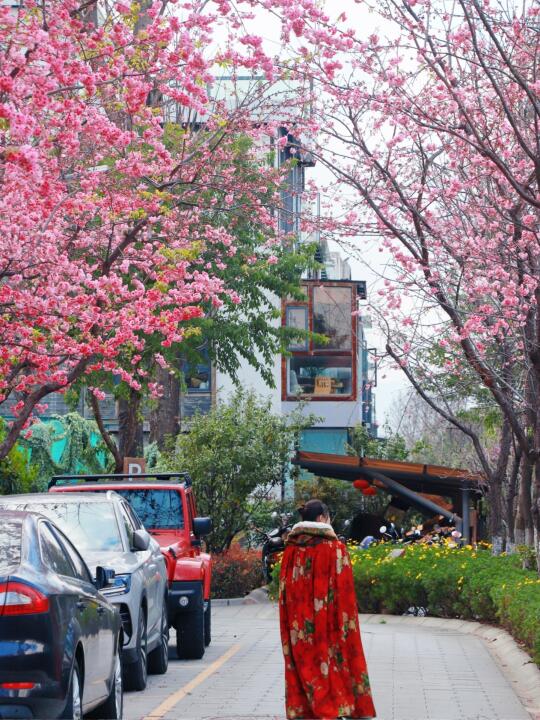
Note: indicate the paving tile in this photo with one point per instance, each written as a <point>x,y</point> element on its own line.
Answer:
<point>417,673</point>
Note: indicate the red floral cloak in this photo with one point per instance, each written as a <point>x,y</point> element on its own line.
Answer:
<point>325,669</point>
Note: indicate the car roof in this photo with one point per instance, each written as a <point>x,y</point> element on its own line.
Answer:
<point>15,514</point>
<point>42,498</point>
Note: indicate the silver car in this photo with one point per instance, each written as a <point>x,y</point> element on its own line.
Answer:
<point>106,532</point>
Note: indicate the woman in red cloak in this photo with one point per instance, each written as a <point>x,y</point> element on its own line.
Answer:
<point>325,669</point>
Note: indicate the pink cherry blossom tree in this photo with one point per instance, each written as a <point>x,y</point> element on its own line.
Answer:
<point>102,220</point>
<point>432,136</point>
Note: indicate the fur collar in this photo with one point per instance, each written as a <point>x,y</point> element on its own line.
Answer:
<point>308,525</point>
<point>305,531</point>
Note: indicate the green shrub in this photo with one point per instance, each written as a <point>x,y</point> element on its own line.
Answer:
<point>17,474</point>
<point>452,583</point>
<point>236,572</point>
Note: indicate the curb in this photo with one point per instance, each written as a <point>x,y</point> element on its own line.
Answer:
<point>259,596</point>
<point>515,664</point>
<point>225,602</point>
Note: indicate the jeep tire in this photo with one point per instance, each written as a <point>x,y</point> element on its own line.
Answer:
<point>208,623</point>
<point>190,632</point>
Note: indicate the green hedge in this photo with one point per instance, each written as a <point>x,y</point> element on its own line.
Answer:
<point>465,583</point>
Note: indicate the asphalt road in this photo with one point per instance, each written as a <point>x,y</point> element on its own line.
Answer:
<point>417,673</point>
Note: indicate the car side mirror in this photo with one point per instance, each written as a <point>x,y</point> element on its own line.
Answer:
<point>202,526</point>
<point>141,540</point>
<point>104,577</point>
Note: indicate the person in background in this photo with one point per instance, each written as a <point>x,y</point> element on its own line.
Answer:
<point>325,669</point>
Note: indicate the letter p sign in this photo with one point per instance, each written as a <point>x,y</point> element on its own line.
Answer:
<point>134,466</point>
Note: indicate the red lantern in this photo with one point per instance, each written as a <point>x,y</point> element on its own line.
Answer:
<point>360,484</point>
<point>369,491</point>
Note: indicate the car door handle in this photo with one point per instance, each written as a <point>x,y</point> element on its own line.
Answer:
<point>101,609</point>
<point>81,605</point>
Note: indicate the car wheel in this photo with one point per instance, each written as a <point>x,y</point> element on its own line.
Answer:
<point>113,706</point>
<point>208,623</point>
<point>190,633</point>
<point>136,673</point>
<point>73,708</point>
<point>158,659</point>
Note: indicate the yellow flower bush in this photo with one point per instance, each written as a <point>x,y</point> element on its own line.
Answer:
<point>468,583</point>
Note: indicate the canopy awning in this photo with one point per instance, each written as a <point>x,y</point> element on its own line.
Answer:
<point>431,479</point>
<point>415,482</point>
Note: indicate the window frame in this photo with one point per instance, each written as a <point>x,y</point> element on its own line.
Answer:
<point>312,351</point>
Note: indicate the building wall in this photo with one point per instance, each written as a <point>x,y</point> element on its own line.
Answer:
<point>344,413</point>
<point>250,379</point>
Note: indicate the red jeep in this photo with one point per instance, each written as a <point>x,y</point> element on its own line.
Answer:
<point>165,504</point>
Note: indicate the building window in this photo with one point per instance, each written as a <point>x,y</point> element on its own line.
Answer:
<point>322,368</point>
<point>198,375</point>
<point>332,316</point>
<point>319,375</point>
<point>297,318</point>
<point>198,378</point>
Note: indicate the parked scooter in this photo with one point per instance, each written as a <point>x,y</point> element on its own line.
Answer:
<point>390,533</point>
<point>274,543</point>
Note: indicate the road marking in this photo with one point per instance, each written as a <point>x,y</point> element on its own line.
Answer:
<point>175,698</point>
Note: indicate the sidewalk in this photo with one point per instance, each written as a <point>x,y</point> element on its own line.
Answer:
<point>418,672</point>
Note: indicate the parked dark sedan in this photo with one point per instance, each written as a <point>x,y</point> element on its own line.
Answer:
<point>60,639</point>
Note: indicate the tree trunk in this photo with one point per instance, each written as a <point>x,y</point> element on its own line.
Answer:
<point>34,398</point>
<point>165,419</point>
<point>107,437</point>
<point>523,528</point>
<point>497,482</point>
<point>496,526</point>
<point>535,514</point>
<point>510,501</point>
<point>130,426</point>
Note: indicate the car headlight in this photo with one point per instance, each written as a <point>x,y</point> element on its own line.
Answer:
<point>120,585</point>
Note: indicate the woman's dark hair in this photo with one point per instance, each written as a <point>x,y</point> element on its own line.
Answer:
<point>311,510</point>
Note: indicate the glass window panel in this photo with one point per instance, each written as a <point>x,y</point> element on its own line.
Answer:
<point>158,509</point>
<point>81,571</point>
<point>89,526</point>
<point>53,553</point>
<point>198,375</point>
<point>319,375</point>
<point>297,317</point>
<point>332,316</point>
<point>10,544</point>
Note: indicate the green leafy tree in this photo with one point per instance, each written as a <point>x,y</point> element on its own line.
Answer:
<point>342,498</point>
<point>391,447</point>
<point>237,456</point>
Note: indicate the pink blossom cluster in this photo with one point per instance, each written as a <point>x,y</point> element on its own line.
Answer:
<point>114,156</point>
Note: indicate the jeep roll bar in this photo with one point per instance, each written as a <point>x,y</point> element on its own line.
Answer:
<point>176,478</point>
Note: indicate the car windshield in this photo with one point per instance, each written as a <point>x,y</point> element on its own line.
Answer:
<point>90,526</point>
<point>10,544</point>
<point>157,509</point>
